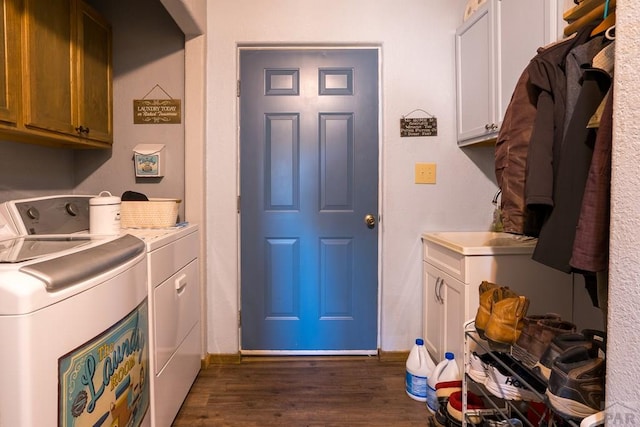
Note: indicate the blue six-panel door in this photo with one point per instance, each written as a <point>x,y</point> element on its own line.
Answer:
<point>308,181</point>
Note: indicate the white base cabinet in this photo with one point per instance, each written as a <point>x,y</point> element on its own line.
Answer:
<point>450,289</point>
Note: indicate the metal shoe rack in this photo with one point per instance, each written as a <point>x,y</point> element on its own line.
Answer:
<point>500,409</point>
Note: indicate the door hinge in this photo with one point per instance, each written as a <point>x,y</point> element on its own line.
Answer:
<point>238,88</point>
<point>239,318</point>
<point>238,204</point>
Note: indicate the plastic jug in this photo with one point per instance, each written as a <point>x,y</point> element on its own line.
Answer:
<point>446,370</point>
<point>419,367</point>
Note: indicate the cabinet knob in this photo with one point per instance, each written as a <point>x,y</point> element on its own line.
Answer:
<point>82,130</point>
<point>491,126</point>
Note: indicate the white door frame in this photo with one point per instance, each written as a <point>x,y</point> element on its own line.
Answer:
<point>378,48</point>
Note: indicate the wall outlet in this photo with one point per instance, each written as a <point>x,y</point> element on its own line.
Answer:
<point>425,173</point>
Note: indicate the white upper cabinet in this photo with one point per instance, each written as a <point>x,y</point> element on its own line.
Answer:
<point>493,47</point>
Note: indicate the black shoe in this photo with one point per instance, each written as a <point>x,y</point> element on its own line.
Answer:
<point>590,339</point>
<point>576,384</point>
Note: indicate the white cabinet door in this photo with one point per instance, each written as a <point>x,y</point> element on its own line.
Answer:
<point>474,76</point>
<point>445,302</point>
<point>521,30</point>
<point>493,47</point>
<point>455,315</point>
<point>433,327</point>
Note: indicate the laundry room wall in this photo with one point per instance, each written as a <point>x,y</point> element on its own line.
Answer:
<point>623,339</point>
<point>416,39</point>
<point>28,170</point>
<point>148,50</point>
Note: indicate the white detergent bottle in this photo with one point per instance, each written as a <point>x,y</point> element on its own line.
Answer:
<point>419,367</point>
<point>446,370</point>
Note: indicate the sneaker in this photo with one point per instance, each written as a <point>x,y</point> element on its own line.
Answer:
<point>506,320</point>
<point>502,382</point>
<point>454,409</point>
<point>590,339</point>
<point>576,384</point>
<point>478,365</point>
<point>539,330</point>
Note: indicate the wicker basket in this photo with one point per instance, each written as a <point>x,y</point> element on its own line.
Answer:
<point>154,213</point>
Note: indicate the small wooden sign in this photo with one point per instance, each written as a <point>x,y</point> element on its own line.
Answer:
<point>157,111</point>
<point>419,127</point>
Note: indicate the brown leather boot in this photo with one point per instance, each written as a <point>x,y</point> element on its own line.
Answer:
<point>506,320</point>
<point>532,326</point>
<point>486,290</point>
<point>537,337</point>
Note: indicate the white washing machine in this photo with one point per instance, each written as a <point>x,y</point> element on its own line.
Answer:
<point>73,319</point>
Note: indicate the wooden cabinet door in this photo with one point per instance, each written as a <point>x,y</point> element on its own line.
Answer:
<point>9,61</point>
<point>48,91</point>
<point>94,75</point>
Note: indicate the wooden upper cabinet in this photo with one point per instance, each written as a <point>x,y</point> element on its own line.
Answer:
<point>66,93</point>
<point>94,71</point>
<point>9,62</point>
<point>48,64</point>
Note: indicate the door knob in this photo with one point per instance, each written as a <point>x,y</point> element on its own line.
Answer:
<point>370,220</point>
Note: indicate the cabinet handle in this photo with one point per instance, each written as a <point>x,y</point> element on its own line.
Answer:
<point>440,297</point>
<point>180,284</point>
<point>491,126</point>
<point>437,290</point>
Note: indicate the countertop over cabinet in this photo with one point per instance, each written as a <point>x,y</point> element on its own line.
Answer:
<point>454,265</point>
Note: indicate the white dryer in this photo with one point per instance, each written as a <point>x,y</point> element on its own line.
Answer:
<point>73,319</point>
<point>174,316</point>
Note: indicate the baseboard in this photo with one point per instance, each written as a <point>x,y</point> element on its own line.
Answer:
<point>392,356</point>
<point>220,359</point>
<point>236,358</point>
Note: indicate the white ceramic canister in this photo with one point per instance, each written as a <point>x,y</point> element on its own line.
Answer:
<point>104,214</point>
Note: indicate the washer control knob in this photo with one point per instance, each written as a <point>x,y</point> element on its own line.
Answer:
<point>72,209</point>
<point>33,213</point>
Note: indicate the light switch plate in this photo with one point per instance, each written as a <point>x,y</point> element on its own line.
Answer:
<point>425,173</point>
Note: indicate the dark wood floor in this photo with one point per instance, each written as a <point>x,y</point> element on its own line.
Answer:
<point>339,391</point>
